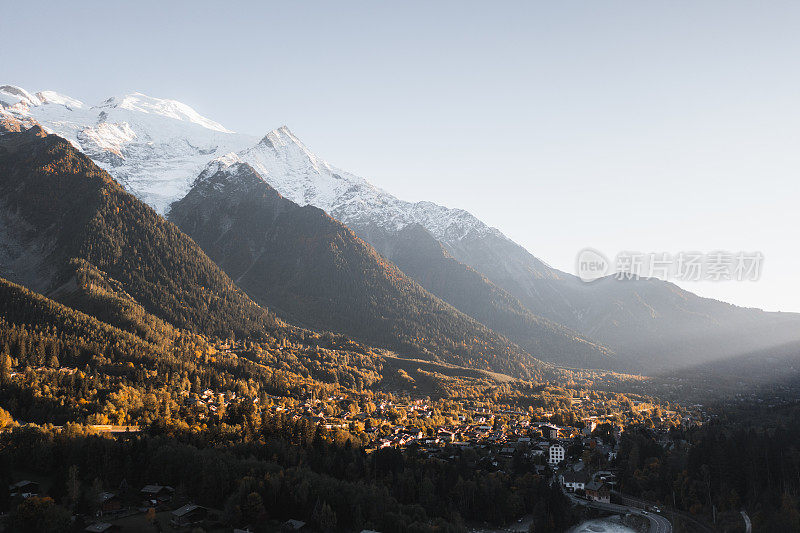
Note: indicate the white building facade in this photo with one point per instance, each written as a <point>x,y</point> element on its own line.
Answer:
<point>556,454</point>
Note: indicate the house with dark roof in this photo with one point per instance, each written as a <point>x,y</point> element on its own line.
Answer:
<point>573,481</point>
<point>188,515</point>
<point>108,502</point>
<point>24,489</point>
<point>549,431</point>
<point>154,494</point>
<point>598,491</point>
<point>294,525</point>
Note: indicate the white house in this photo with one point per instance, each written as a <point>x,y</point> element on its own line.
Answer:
<point>574,480</point>
<point>556,454</point>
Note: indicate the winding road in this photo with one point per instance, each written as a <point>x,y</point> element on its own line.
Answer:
<point>658,523</point>
<point>748,525</point>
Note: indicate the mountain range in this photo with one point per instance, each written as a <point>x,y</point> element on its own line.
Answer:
<point>70,231</point>
<point>447,257</point>
<point>313,271</point>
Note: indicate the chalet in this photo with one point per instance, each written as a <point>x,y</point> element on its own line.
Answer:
<point>598,491</point>
<point>155,494</point>
<point>188,515</point>
<point>108,502</point>
<point>573,481</point>
<point>24,489</point>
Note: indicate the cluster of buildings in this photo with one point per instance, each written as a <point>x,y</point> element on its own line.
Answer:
<point>209,400</point>
<point>418,423</point>
<point>595,486</point>
<point>121,503</point>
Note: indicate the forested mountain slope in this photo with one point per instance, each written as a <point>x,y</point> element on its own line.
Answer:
<point>60,215</point>
<point>415,251</point>
<point>314,271</point>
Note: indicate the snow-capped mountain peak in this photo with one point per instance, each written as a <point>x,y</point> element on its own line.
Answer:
<point>280,137</point>
<point>154,147</point>
<point>11,95</point>
<point>283,137</point>
<point>166,108</point>
<point>233,178</point>
<point>16,94</point>
<point>224,161</point>
<point>301,176</point>
<point>216,165</point>
<point>291,149</point>
<point>17,99</point>
<point>52,97</point>
<point>157,147</point>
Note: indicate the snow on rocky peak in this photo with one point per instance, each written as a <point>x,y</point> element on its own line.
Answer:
<point>231,177</point>
<point>154,147</point>
<point>17,98</point>
<point>11,95</point>
<point>301,176</point>
<point>220,163</point>
<point>166,108</point>
<point>157,148</point>
<point>229,163</point>
<point>52,97</point>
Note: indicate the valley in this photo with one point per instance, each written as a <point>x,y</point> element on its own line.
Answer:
<point>201,329</point>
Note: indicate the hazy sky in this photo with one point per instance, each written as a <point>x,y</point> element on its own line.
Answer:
<point>619,125</point>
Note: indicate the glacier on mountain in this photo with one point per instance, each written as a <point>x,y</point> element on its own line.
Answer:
<point>157,147</point>
<point>154,147</point>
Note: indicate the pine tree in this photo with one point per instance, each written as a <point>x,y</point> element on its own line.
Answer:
<point>5,368</point>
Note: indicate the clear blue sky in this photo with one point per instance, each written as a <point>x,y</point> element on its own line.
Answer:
<point>620,125</point>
